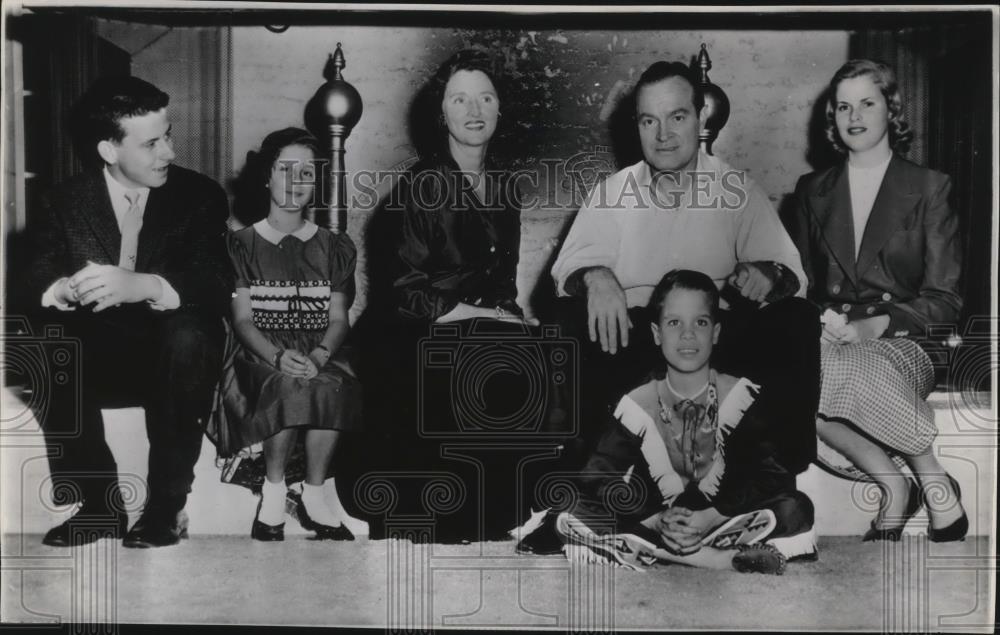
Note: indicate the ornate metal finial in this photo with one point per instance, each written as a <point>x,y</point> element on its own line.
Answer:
<point>331,114</point>
<point>705,63</point>
<point>335,63</point>
<point>716,103</point>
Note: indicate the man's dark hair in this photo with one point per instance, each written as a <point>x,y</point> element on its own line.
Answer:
<point>97,115</point>
<point>682,279</point>
<point>661,70</point>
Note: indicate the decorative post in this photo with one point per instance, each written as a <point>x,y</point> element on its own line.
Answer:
<point>331,114</point>
<point>716,104</point>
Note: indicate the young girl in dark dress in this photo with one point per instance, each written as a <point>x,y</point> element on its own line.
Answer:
<point>293,290</point>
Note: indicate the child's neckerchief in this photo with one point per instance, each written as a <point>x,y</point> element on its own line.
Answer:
<point>692,423</point>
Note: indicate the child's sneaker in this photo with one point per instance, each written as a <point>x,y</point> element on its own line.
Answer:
<point>759,558</point>
<point>745,529</point>
<point>585,545</point>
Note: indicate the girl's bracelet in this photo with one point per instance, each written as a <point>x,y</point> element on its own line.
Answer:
<point>276,360</point>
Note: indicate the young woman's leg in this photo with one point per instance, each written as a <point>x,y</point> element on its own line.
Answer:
<point>871,459</point>
<point>943,504</point>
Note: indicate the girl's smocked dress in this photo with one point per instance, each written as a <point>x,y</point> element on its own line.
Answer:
<point>290,278</point>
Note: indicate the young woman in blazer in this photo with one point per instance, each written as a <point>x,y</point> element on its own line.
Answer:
<point>881,250</point>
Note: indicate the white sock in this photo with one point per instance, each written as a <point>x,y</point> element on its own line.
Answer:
<point>316,507</point>
<point>357,526</point>
<point>272,507</point>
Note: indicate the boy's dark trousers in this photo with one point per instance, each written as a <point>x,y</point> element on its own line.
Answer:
<point>166,362</point>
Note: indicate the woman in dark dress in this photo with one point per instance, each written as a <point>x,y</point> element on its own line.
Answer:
<point>881,249</point>
<point>448,298</point>
<point>294,282</point>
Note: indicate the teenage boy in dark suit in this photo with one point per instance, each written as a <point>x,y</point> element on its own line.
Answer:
<point>130,257</point>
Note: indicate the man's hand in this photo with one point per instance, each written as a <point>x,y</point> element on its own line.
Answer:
<point>107,285</point>
<point>607,311</point>
<point>750,280</point>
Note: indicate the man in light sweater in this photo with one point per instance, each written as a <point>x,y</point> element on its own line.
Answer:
<point>682,208</point>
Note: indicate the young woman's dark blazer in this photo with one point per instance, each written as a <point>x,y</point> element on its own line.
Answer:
<point>910,259</point>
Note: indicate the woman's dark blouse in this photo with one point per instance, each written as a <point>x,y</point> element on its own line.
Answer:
<point>453,247</point>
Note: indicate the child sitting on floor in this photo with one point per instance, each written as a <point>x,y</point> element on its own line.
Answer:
<point>685,474</point>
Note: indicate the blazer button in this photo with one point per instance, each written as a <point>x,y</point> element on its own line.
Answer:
<point>493,249</point>
<point>835,288</point>
<point>870,310</point>
<point>845,307</point>
<point>886,297</point>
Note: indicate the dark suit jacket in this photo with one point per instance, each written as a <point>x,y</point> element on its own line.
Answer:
<point>182,237</point>
<point>910,259</point>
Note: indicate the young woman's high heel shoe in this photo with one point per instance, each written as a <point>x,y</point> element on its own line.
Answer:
<point>958,529</point>
<point>913,502</point>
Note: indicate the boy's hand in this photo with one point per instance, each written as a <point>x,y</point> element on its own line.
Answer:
<point>107,285</point>
<point>677,531</point>
<point>63,293</point>
<point>683,529</point>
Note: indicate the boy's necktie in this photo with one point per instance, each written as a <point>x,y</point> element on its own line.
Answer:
<point>131,225</point>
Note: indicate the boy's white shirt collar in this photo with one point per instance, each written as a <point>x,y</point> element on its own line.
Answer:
<point>273,236</point>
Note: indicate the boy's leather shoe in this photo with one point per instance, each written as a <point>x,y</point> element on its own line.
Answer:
<point>86,526</point>
<point>156,528</point>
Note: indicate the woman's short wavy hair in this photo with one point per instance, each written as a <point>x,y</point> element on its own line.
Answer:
<point>882,76</point>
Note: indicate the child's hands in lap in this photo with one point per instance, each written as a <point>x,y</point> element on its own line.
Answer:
<point>298,364</point>
<point>683,529</point>
<point>679,530</point>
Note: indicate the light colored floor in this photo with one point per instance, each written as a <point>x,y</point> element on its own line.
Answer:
<point>913,585</point>
<point>220,576</point>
